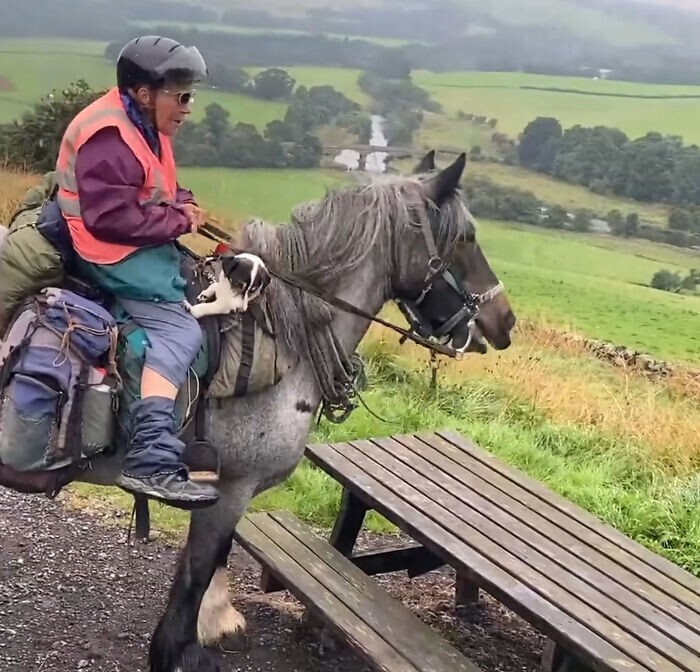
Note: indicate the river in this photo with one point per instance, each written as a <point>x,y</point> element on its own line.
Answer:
<point>376,160</point>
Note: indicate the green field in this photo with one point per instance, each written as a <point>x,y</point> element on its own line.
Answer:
<point>257,192</point>
<point>595,285</point>
<point>498,95</point>
<point>579,283</point>
<point>438,130</point>
<point>567,195</point>
<point>25,64</point>
<point>35,67</point>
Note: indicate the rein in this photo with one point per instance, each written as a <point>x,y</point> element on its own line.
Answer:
<point>338,389</point>
<point>218,235</point>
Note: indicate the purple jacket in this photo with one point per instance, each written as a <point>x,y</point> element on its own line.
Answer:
<point>109,178</point>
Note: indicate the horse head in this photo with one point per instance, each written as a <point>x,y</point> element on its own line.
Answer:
<point>446,287</point>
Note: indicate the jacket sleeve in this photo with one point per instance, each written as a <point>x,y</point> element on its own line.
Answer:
<point>109,179</point>
<point>185,196</point>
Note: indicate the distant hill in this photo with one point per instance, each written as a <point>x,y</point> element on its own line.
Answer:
<point>617,22</point>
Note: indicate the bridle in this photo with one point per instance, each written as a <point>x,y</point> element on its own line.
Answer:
<point>420,331</point>
<point>471,303</point>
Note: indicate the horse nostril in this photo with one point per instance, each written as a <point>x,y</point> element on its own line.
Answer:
<point>508,320</point>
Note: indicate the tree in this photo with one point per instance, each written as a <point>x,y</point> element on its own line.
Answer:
<point>691,281</point>
<point>631,224</point>
<point>33,143</point>
<point>228,78</point>
<point>680,219</point>
<point>666,281</point>
<point>616,222</point>
<point>582,220</point>
<point>538,144</point>
<point>215,123</point>
<point>273,84</point>
<point>556,218</point>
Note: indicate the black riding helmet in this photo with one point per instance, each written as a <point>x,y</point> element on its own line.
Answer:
<point>154,60</point>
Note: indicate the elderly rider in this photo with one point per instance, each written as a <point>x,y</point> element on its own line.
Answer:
<point>118,192</point>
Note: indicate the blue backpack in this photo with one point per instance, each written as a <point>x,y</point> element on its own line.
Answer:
<point>59,390</point>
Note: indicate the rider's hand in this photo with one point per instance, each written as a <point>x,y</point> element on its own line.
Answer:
<point>195,214</point>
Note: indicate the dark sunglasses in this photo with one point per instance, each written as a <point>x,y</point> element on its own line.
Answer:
<point>183,97</point>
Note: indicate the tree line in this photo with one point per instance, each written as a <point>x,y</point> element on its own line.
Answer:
<point>440,32</point>
<point>400,102</point>
<point>655,168</point>
<point>214,141</point>
<point>493,201</point>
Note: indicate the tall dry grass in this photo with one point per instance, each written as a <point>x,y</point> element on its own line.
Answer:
<point>13,185</point>
<point>562,380</point>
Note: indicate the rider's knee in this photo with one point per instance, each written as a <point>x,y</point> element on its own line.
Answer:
<point>191,336</point>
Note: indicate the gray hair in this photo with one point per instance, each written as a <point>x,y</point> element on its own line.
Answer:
<point>330,238</point>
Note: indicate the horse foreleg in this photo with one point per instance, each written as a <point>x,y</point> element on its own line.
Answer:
<point>218,620</point>
<point>175,647</point>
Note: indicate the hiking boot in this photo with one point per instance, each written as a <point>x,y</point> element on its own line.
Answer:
<point>153,465</point>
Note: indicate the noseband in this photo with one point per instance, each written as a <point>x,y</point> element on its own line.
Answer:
<point>471,302</point>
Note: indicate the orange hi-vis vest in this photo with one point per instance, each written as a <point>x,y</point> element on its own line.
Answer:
<point>160,183</point>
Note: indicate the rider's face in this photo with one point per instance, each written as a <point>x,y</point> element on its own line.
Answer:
<point>171,107</point>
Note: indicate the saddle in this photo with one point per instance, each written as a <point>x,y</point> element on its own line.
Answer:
<point>249,364</point>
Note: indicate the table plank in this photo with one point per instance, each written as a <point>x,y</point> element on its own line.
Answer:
<point>579,598</point>
<point>304,578</point>
<point>657,568</point>
<point>531,526</point>
<point>508,589</point>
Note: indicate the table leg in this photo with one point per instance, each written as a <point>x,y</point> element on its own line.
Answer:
<point>349,522</point>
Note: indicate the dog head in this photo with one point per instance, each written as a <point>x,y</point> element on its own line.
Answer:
<point>246,274</point>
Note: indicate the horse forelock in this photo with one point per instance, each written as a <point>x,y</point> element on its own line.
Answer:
<point>330,238</point>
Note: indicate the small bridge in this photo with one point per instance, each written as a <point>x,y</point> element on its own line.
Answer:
<point>363,150</point>
<point>392,152</point>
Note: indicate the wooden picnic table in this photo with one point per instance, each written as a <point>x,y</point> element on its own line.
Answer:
<point>606,603</point>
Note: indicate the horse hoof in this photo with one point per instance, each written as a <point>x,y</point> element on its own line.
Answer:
<point>197,659</point>
<point>235,642</point>
<point>223,626</point>
<point>218,623</point>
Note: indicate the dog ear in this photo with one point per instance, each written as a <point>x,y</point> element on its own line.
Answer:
<point>263,278</point>
<point>229,263</point>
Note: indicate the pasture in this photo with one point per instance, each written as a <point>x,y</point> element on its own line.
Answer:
<point>500,95</point>
<point>569,196</point>
<point>233,195</point>
<point>25,78</point>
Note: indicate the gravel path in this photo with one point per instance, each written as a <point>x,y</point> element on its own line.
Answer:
<point>74,596</point>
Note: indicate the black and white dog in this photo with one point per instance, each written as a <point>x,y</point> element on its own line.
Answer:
<point>242,279</point>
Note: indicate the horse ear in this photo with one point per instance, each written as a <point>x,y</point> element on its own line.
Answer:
<point>426,164</point>
<point>446,182</point>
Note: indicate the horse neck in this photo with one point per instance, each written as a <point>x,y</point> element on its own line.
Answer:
<point>364,288</point>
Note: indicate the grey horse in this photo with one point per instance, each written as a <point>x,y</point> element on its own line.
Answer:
<point>364,244</point>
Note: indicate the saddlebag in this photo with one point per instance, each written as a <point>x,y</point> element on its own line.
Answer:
<point>59,389</point>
